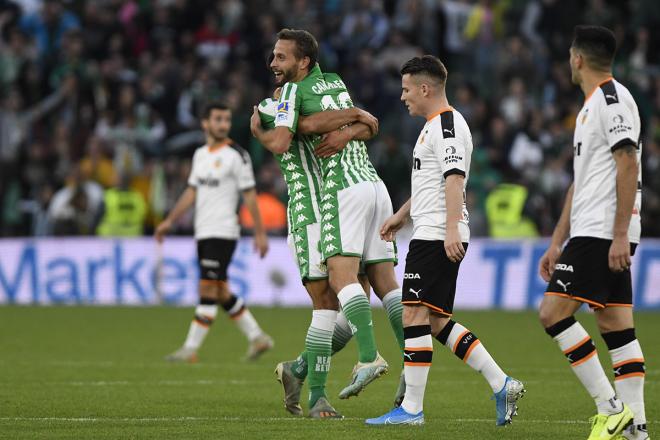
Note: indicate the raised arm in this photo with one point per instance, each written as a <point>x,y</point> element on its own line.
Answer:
<point>276,140</point>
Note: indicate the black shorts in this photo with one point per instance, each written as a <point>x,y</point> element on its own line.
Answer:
<point>214,256</point>
<point>582,273</point>
<point>430,277</point>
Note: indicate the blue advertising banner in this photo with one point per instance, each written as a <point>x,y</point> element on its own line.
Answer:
<point>494,274</point>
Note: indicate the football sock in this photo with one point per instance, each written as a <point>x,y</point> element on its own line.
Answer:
<point>394,309</point>
<point>357,310</point>
<point>580,351</point>
<point>318,346</point>
<point>467,347</point>
<point>243,318</point>
<point>629,370</point>
<point>417,357</point>
<point>205,314</point>
<point>342,333</point>
<point>340,338</point>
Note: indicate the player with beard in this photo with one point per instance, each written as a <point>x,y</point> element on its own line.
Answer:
<point>221,173</point>
<point>601,220</point>
<point>354,201</point>
<point>302,176</point>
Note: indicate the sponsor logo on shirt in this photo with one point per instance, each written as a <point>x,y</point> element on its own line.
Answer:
<point>208,181</point>
<point>453,158</point>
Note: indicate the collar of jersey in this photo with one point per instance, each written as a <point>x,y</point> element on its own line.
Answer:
<point>596,88</point>
<point>314,73</point>
<point>216,147</point>
<point>439,112</point>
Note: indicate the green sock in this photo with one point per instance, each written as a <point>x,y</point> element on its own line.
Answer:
<point>340,338</point>
<point>342,333</point>
<point>300,366</point>
<point>318,346</point>
<point>394,309</point>
<point>357,309</point>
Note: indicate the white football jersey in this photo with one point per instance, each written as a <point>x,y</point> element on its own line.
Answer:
<point>219,175</point>
<point>443,148</point>
<point>608,120</point>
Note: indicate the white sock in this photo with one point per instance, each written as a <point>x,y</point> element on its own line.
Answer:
<point>204,316</point>
<point>248,325</point>
<point>417,357</point>
<point>467,347</point>
<point>628,365</point>
<point>349,292</point>
<point>243,318</point>
<point>581,353</point>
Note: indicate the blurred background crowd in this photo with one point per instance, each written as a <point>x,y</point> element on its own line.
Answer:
<point>99,100</point>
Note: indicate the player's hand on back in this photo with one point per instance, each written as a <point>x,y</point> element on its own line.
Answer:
<point>548,261</point>
<point>619,255</point>
<point>162,230</point>
<point>261,244</point>
<point>368,119</point>
<point>332,143</point>
<point>454,245</point>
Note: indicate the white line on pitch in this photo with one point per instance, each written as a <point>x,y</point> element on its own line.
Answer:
<point>259,419</point>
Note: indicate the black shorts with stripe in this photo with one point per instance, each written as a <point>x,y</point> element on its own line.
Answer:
<point>430,277</point>
<point>214,256</point>
<point>582,273</point>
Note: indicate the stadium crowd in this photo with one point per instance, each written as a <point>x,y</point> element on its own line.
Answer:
<point>105,94</point>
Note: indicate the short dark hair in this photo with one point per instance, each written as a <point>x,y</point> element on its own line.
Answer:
<point>215,105</point>
<point>597,43</point>
<point>426,65</point>
<point>306,44</point>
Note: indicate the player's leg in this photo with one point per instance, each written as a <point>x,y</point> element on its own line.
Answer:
<point>345,217</point>
<point>237,310</point>
<point>618,330</point>
<point>417,356</point>
<point>380,258</point>
<point>205,314</point>
<point>468,348</point>
<point>321,339</point>
<point>383,280</point>
<point>581,276</point>
<point>207,310</point>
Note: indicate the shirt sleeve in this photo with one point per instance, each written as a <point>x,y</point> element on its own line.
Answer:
<point>245,174</point>
<point>617,121</point>
<point>449,147</point>
<point>192,178</point>
<point>288,107</point>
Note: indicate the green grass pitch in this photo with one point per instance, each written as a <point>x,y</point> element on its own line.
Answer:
<point>82,372</point>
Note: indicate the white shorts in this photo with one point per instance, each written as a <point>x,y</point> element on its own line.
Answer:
<point>304,242</point>
<point>350,223</point>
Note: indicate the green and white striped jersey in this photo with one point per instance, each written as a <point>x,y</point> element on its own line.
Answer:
<point>301,174</point>
<point>319,92</point>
